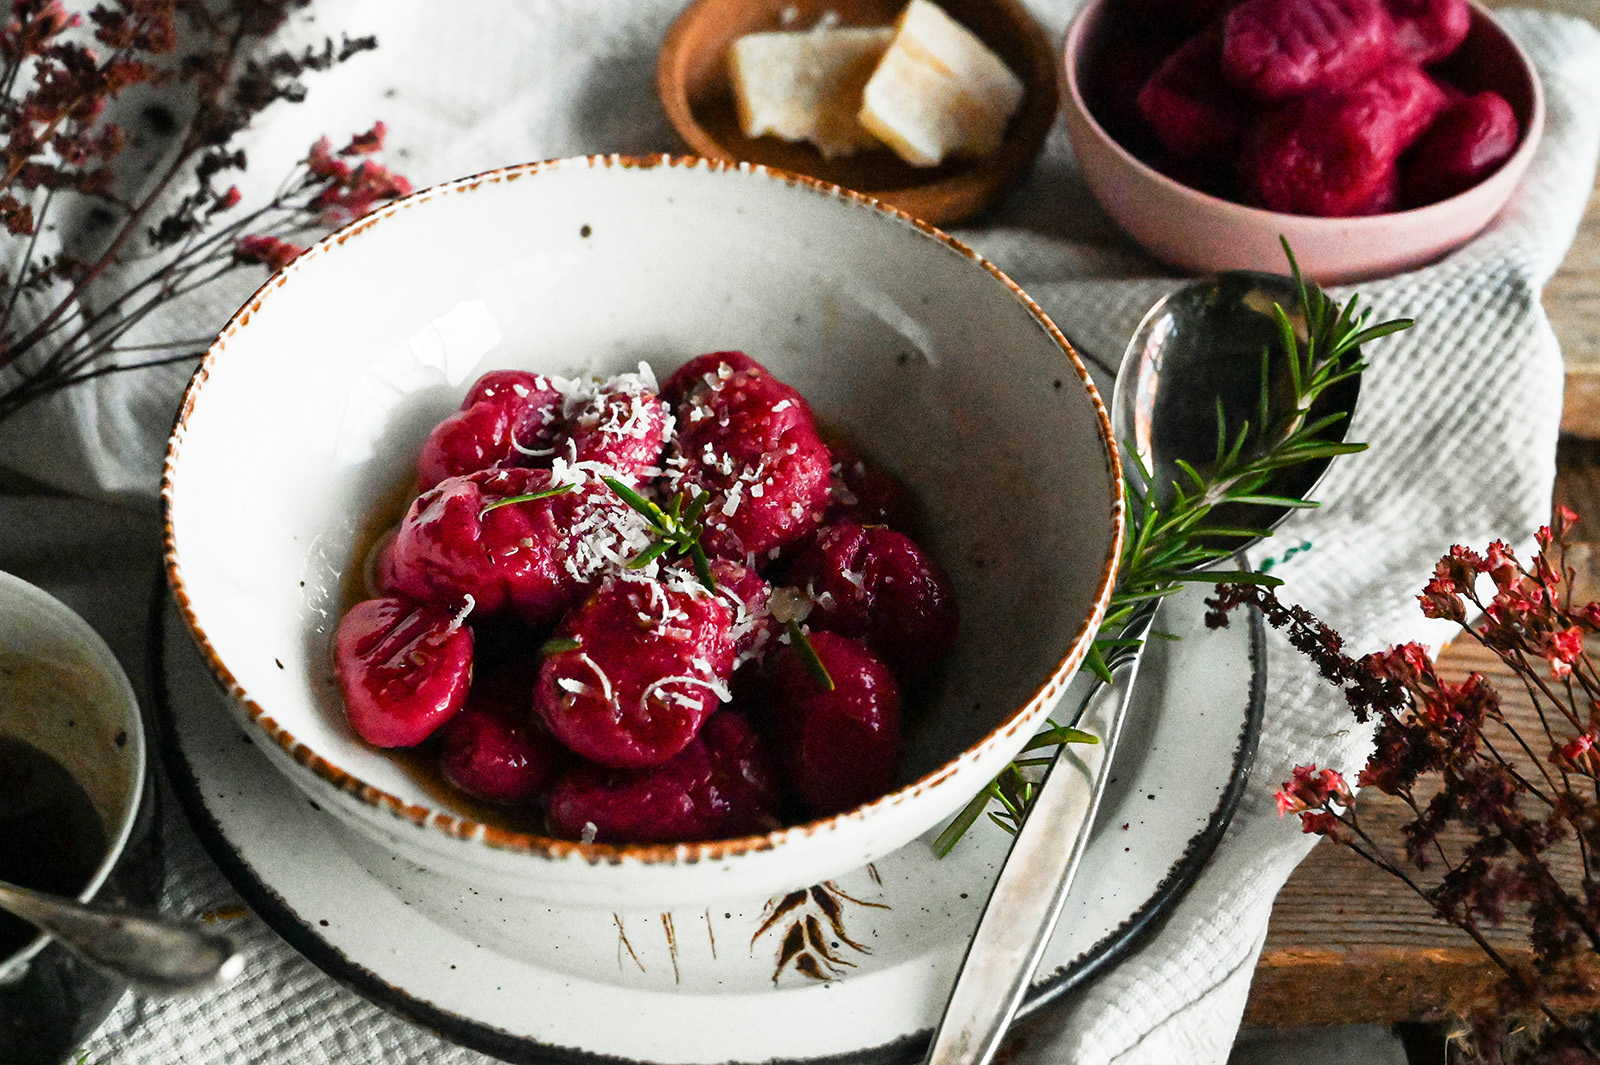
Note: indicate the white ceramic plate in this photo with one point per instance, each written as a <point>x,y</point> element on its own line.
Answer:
<point>542,984</point>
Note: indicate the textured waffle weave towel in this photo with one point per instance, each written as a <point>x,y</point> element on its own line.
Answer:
<point>1461,414</point>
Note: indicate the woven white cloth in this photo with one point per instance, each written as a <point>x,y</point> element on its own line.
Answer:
<point>1461,414</point>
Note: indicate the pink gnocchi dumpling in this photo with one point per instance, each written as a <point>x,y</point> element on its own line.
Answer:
<point>509,417</point>
<point>404,669</point>
<point>645,664</point>
<point>722,784</point>
<point>1278,49</point>
<point>748,441</point>
<point>1337,156</point>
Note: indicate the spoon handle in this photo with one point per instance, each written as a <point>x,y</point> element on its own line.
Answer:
<point>155,954</point>
<point>1029,893</point>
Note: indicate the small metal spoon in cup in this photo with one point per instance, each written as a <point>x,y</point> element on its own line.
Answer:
<point>154,954</point>
<point>1201,343</point>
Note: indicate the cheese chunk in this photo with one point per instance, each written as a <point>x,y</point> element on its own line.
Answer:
<point>806,85</point>
<point>938,90</point>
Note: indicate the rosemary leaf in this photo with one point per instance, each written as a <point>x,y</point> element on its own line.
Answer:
<point>529,498</point>
<point>808,655</point>
<point>557,644</point>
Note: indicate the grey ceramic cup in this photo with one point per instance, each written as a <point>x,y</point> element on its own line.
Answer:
<point>64,696</point>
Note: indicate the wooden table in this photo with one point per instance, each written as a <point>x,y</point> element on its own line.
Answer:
<point>1573,302</point>
<point>1348,944</point>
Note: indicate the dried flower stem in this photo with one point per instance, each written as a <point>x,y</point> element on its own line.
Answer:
<point>1509,822</point>
<point>58,150</point>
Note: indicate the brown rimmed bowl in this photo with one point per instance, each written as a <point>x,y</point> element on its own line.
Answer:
<point>308,410</point>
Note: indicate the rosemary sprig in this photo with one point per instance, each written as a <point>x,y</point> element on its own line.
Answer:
<point>808,656</point>
<point>556,645</point>
<point>530,497</point>
<point>677,529</point>
<point>1172,542</point>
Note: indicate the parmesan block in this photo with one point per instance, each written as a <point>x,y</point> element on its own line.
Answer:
<point>939,91</point>
<point>806,85</point>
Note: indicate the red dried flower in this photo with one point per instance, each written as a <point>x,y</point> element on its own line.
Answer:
<point>1441,599</point>
<point>350,193</point>
<point>16,215</point>
<point>368,142</point>
<point>1322,823</point>
<point>1565,519</point>
<point>272,252</point>
<point>1502,565</point>
<point>1461,567</point>
<point>1574,752</point>
<point>1562,648</point>
<point>1310,788</point>
<point>1513,834</point>
<point>1407,664</point>
<point>57,148</point>
<point>324,164</point>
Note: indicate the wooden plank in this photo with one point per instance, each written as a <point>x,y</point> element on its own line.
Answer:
<point>1318,986</point>
<point>1572,299</point>
<point>1580,406</point>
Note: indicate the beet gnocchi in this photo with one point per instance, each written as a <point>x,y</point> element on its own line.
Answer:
<point>1327,108</point>
<point>695,619</point>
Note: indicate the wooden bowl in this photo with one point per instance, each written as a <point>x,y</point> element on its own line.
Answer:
<point>692,79</point>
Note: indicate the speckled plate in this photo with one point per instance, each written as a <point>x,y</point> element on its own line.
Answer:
<point>854,969</point>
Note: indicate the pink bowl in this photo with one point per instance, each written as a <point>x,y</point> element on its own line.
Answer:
<point>1201,233</point>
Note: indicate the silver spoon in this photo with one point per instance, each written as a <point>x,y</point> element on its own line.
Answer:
<point>152,953</point>
<point>1205,339</point>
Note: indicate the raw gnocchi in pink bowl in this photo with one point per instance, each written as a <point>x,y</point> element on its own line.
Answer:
<point>348,397</point>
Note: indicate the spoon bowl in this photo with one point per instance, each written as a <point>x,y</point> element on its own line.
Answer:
<point>1205,342</point>
<point>152,953</point>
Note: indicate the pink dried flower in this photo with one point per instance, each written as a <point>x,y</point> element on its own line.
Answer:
<point>1565,519</point>
<point>272,252</point>
<point>1310,788</point>
<point>58,151</point>
<point>349,194</point>
<point>1442,599</point>
<point>1569,753</point>
<point>1509,835</point>
<point>1562,648</point>
<point>368,142</point>
<point>1502,565</point>
<point>324,164</point>
<point>33,27</point>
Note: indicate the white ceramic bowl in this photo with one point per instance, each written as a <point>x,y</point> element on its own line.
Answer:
<point>307,413</point>
<point>1201,233</point>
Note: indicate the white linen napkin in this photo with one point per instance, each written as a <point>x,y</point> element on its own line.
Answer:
<point>1461,413</point>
